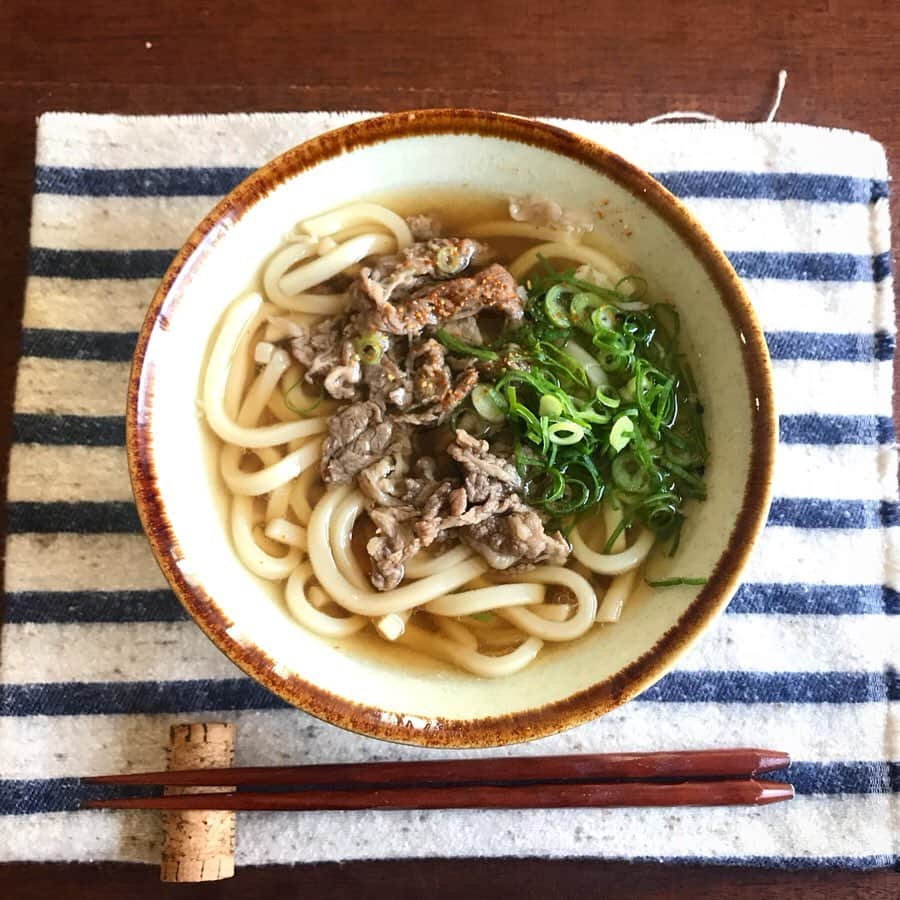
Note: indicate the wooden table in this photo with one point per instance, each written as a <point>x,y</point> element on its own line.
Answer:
<point>622,60</point>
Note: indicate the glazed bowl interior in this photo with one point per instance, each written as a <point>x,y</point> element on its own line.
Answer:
<point>365,683</point>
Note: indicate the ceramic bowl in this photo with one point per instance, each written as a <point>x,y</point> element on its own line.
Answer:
<point>366,685</point>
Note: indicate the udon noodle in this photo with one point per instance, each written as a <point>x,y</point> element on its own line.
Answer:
<point>289,527</point>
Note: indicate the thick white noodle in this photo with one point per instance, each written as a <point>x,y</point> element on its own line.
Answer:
<point>612,563</point>
<point>423,563</point>
<point>502,635</point>
<point>471,660</point>
<point>456,631</point>
<point>277,504</point>
<point>317,597</point>
<point>340,535</point>
<point>299,502</point>
<point>318,304</point>
<point>560,250</point>
<point>506,228</point>
<point>314,619</point>
<point>253,484</point>
<point>254,557</point>
<point>392,626</point>
<point>281,285</point>
<point>273,548</point>
<point>575,627</point>
<point>553,612</point>
<point>240,366</point>
<point>296,301</point>
<point>330,223</point>
<point>236,321</point>
<point>466,603</point>
<point>616,594</point>
<point>286,532</point>
<point>372,603</point>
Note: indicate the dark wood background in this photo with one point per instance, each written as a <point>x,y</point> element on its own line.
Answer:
<point>615,60</point>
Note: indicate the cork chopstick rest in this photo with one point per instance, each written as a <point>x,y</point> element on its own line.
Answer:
<point>198,845</point>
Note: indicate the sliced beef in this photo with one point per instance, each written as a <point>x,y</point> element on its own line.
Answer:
<point>398,276</point>
<point>486,474</point>
<point>516,541</point>
<point>431,376</point>
<point>392,546</point>
<point>493,288</point>
<point>322,347</point>
<point>461,389</point>
<point>466,330</point>
<point>358,435</point>
<point>390,482</point>
<point>547,213</point>
<point>388,383</point>
<point>423,227</point>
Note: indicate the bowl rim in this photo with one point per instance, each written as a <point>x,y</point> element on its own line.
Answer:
<point>539,721</point>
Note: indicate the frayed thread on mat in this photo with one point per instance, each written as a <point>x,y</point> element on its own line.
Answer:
<point>679,115</point>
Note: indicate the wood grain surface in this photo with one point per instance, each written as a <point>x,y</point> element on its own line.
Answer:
<point>616,60</point>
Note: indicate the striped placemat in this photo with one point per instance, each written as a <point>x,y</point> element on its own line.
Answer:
<point>98,658</point>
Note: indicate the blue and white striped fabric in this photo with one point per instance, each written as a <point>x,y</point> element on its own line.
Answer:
<point>98,658</point>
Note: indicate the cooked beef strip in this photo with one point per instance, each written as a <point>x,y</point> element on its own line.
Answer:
<point>430,375</point>
<point>392,546</point>
<point>398,276</point>
<point>415,513</point>
<point>424,227</point>
<point>466,330</point>
<point>461,389</point>
<point>325,346</point>
<point>476,459</point>
<point>492,288</point>
<point>387,383</point>
<point>389,482</point>
<point>516,541</point>
<point>547,213</point>
<point>357,436</point>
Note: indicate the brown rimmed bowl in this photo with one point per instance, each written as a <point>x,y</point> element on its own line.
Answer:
<point>364,684</point>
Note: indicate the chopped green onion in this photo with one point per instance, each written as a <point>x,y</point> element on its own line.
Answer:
<point>489,404</point>
<point>449,261</point>
<point>637,287</point>
<point>628,474</point>
<point>481,617</point>
<point>621,434</point>
<point>565,433</point>
<point>600,403</point>
<point>300,411</point>
<point>581,304</point>
<point>605,398</point>
<point>370,347</point>
<point>457,346</point>
<point>550,406</point>
<point>673,582</point>
<point>554,308</point>
<point>592,369</point>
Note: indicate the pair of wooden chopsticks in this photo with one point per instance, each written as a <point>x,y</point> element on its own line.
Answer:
<point>686,778</point>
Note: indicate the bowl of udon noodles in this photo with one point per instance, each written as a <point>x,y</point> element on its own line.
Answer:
<point>451,428</point>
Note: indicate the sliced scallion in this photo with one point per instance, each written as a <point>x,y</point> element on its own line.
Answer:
<point>489,404</point>
<point>455,345</point>
<point>621,433</point>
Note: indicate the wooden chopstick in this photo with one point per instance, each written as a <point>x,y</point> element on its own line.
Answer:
<point>677,765</point>
<point>732,792</point>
